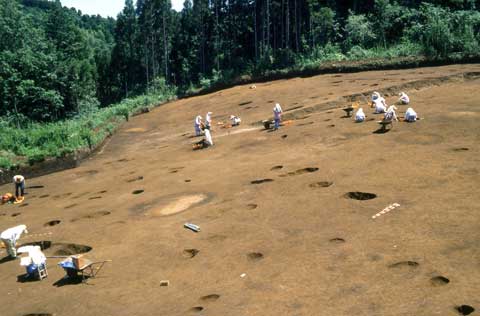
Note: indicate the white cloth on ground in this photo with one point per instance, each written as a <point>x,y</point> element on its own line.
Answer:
<point>360,115</point>
<point>410,115</point>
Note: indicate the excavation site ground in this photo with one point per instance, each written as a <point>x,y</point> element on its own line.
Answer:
<point>285,216</point>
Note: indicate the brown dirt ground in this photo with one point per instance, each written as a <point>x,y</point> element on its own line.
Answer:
<point>305,249</point>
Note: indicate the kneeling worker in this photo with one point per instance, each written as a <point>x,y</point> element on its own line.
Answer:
<point>19,186</point>
<point>404,99</point>
<point>410,115</point>
<point>204,143</point>
<point>10,237</point>
<point>359,116</point>
<point>235,120</point>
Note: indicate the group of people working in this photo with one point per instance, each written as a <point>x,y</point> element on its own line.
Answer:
<point>380,106</point>
<point>205,128</point>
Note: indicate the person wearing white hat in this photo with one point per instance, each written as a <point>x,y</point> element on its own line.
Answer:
<point>391,115</point>
<point>208,120</point>
<point>235,120</point>
<point>410,115</point>
<point>197,125</point>
<point>277,115</point>
<point>359,116</point>
<point>404,99</point>
<point>10,237</point>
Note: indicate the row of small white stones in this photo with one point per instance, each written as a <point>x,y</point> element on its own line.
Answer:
<point>386,210</point>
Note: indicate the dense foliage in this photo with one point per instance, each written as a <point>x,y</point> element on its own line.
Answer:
<point>61,70</point>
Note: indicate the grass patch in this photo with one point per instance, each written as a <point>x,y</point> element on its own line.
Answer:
<point>35,142</point>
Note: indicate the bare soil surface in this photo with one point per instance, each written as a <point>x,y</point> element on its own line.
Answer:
<point>301,243</point>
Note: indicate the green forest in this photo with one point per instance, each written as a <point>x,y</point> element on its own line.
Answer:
<point>67,80</point>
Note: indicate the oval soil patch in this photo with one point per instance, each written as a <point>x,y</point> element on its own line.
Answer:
<point>361,196</point>
<point>255,256</point>
<point>180,204</point>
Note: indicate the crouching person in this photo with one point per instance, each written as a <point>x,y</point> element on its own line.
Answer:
<point>410,115</point>
<point>391,115</point>
<point>10,237</point>
<point>359,116</point>
<point>235,120</point>
<point>404,99</point>
<point>204,143</point>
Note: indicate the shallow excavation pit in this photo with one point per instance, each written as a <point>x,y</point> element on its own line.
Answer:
<point>255,256</point>
<point>260,181</point>
<point>409,264</point>
<point>439,280</point>
<point>210,298</point>
<point>321,184</point>
<point>60,249</point>
<point>138,192</point>
<point>190,253</point>
<point>465,309</point>
<point>337,240</point>
<point>361,196</point>
<point>52,223</point>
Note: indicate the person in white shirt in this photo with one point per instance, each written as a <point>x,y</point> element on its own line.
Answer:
<point>404,99</point>
<point>277,115</point>
<point>208,138</point>
<point>390,115</point>
<point>380,105</point>
<point>19,182</point>
<point>208,120</point>
<point>235,120</point>
<point>198,124</point>
<point>359,116</point>
<point>10,237</point>
<point>410,115</point>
